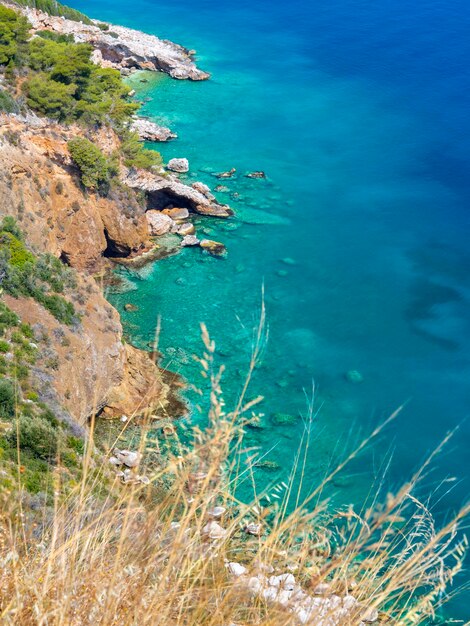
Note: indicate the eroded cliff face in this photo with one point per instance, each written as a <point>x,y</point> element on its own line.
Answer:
<point>40,188</point>
<point>86,367</point>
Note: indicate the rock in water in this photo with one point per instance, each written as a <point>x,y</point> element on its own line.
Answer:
<point>190,240</point>
<point>353,376</point>
<point>213,247</point>
<point>284,419</point>
<point>149,131</point>
<point>178,165</point>
<point>228,174</point>
<point>159,223</point>
<point>258,174</point>
<point>185,229</point>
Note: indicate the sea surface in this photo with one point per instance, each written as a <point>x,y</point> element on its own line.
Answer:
<point>359,113</point>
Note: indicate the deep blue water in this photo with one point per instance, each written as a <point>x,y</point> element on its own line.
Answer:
<point>359,113</point>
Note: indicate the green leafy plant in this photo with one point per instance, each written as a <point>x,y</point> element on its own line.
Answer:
<point>90,161</point>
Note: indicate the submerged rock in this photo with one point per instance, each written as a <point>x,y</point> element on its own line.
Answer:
<point>213,247</point>
<point>258,174</point>
<point>178,165</point>
<point>353,376</point>
<point>284,419</point>
<point>130,307</point>
<point>159,223</point>
<point>227,174</point>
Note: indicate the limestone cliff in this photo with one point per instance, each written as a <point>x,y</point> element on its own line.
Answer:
<point>85,367</point>
<point>39,186</point>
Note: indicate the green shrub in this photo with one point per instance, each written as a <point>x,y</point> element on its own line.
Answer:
<point>7,317</point>
<point>7,399</point>
<point>4,346</point>
<point>135,155</point>
<point>14,34</point>
<point>7,103</point>
<point>10,225</point>
<point>52,36</point>
<point>56,8</point>
<point>36,435</point>
<point>90,161</point>
<point>19,255</point>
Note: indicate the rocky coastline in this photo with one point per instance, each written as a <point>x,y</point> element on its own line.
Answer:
<point>119,47</point>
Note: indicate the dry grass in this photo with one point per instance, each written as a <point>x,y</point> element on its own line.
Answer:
<point>142,556</point>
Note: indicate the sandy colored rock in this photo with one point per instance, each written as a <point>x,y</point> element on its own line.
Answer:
<point>176,213</point>
<point>159,223</point>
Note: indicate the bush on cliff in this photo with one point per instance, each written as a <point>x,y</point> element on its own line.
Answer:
<point>66,84</point>
<point>37,276</point>
<point>135,155</point>
<point>7,399</point>
<point>14,34</point>
<point>90,161</point>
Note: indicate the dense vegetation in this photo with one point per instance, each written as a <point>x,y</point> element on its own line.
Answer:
<point>52,7</point>
<point>42,277</point>
<point>59,80</point>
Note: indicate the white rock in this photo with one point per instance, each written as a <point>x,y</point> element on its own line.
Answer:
<point>253,529</point>
<point>214,531</point>
<point>159,223</point>
<point>370,615</point>
<point>216,512</point>
<point>204,189</point>
<point>190,240</point>
<point>145,480</point>
<point>255,584</point>
<point>127,457</point>
<point>185,229</point>
<point>322,589</point>
<point>114,461</point>
<point>349,602</point>
<point>124,418</point>
<point>236,569</point>
<point>286,581</point>
<point>178,165</point>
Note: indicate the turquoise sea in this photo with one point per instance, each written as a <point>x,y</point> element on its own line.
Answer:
<point>359,114</point>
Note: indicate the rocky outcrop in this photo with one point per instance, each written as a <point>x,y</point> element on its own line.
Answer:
<point>178,165</point>
<point>159,223</point>
<point>120,47</point>
<point>84,368</point>
<point>167,192</point>
<point>40,187</point>
<point>149,131</point>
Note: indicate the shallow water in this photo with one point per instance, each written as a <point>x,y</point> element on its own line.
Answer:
<point>358,112</point>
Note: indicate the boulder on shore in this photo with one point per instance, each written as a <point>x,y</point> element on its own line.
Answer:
<point>178,165</point>
<point>177,213</point>
<point>159,223</point>
<point>190,240</point>
<point>149,131</point>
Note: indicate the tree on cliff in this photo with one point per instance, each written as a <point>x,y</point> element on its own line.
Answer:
<point>14,34</point>
<point>90,161</point>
